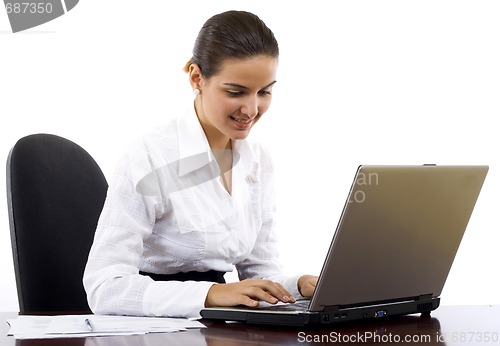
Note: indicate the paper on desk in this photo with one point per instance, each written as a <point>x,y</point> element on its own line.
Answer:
<point>29,327</point>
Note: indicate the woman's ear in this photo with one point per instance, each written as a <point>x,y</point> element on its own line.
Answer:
<point>195,76</point>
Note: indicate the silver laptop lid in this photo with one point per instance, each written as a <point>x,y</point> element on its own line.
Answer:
<point>398,233</point>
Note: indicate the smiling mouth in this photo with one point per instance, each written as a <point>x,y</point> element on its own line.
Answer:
<point>241,120</point>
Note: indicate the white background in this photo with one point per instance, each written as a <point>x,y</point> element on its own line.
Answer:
<point>359,82</point>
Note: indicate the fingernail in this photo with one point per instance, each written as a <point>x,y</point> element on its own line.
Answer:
<point>286,298</point>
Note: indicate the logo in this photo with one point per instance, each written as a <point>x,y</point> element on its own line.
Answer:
<point>28,14</point>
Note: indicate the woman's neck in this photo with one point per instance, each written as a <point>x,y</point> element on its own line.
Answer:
<point>219,143</point>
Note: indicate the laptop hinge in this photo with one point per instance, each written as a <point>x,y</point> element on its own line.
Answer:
<point>331,308</point>
<point>425,296</point>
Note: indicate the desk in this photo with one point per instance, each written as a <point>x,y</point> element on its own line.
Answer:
<point>448,325</point>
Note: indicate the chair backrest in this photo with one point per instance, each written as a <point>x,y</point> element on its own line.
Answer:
<point>55,194</point>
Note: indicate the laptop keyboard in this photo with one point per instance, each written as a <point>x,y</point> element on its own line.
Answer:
<point>300,305</point>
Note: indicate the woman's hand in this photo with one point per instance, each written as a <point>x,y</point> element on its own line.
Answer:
<point>247,292</point>
<point>307,284</point>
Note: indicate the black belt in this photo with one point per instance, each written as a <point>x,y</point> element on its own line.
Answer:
<point>211,275</point>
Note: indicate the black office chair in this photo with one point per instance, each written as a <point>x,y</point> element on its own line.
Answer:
<point>55,193</point>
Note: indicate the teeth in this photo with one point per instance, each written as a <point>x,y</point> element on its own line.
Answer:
<point>242,121</point>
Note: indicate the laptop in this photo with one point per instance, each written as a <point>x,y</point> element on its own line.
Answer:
<point>392,250</point>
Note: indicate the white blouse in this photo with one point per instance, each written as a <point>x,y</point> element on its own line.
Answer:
<point>167,212</point>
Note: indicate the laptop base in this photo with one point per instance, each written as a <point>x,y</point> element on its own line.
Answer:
<point>329,316</point>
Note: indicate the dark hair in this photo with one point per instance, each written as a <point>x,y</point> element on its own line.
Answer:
<point>231,34</point>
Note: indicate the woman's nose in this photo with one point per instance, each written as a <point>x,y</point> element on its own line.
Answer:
<point>250,107</point>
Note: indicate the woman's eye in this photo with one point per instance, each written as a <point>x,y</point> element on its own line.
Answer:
<point>236,93</point>
<point>233,93</point>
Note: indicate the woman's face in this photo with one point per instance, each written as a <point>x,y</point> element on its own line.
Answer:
<point>233,100</point>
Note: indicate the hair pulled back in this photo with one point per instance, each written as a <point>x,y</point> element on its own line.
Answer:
<point>231,35</point>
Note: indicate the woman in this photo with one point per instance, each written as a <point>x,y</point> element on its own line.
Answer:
<point>193,199</point>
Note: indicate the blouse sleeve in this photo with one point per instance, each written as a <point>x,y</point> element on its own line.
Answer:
<point>111,278</point>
